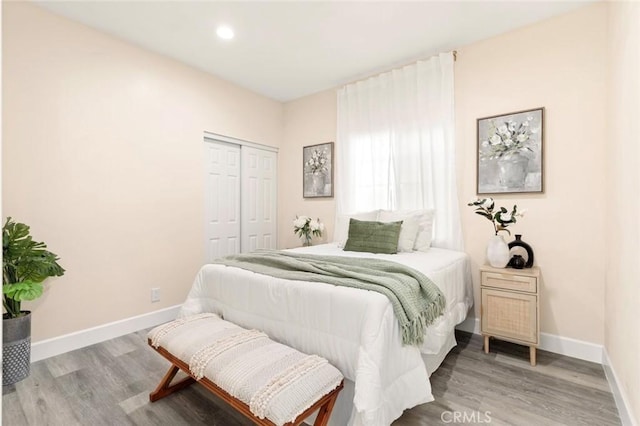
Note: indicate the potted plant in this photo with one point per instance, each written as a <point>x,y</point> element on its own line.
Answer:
<point>497,249</point>
<point>25,265</point>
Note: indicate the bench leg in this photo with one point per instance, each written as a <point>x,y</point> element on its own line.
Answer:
<point>325,411</point>
<point>165,388</point>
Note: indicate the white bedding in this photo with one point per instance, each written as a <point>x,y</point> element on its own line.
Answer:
<point>355,330</point>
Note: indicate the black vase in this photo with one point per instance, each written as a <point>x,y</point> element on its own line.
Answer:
<point>519,243</point>
<point>517,262</point>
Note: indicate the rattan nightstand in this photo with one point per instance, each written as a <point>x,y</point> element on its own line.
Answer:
<point>510,306</point>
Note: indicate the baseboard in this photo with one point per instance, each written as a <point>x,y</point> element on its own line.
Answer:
<point>58,345</point>
<point>551,342</point>
<point>618,394</point>
<point>470,325</point>
<point>69,342</point>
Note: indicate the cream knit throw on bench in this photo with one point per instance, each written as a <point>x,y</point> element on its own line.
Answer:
<point>274,380</point>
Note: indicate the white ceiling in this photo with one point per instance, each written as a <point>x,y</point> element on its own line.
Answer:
<point>286,50</point>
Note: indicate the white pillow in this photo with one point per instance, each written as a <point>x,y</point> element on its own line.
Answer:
<point>425,225</point>
<point>425,233</point>
<point>341,232</point>
<point>408,230</point>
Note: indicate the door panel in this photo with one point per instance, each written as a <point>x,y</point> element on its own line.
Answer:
<point>222,198</point>
<point>258,199</point>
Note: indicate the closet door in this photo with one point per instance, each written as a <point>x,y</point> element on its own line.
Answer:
<point>258,199</point>
<point>222,199</point>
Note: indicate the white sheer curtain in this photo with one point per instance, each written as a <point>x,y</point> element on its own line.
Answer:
<point>396,145</point>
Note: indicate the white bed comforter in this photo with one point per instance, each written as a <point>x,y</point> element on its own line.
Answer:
<point>355,330</point>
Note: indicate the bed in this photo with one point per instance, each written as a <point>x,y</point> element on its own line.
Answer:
<point>355,330</point>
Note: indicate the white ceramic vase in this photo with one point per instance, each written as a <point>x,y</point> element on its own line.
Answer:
<point>497,252</point>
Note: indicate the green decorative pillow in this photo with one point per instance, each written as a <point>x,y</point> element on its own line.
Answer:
<point>373,237</point>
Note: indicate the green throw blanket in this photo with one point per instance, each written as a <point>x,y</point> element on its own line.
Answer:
<point>416,301</point>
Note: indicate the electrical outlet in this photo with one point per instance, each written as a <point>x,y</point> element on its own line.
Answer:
<point>155,294</point>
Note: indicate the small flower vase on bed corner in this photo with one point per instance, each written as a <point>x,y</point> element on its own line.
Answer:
<point>497,252</point>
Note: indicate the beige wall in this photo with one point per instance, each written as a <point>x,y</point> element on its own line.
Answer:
<point>622,339</point>
<point>102,156</point>
<point>557,64</point>
<point>308,121</point>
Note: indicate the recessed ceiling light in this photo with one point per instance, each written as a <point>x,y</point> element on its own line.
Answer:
<point>225,32</point>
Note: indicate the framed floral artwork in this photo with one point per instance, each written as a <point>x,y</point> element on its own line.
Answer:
<point>510,152</point>
<point>317,170</point>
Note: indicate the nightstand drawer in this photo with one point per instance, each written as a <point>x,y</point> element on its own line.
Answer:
<point>510,316</point>
<point>509,281</point>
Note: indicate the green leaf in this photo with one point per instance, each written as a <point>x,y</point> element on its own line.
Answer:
<point>26,290</point>
<point>485,214</point>
<point>25,265</point>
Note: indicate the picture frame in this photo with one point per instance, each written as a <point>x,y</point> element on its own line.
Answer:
<point>510,153</point>
<point>317,170</point>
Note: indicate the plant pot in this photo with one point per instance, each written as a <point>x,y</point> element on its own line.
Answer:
<point>16,348</point>
<point>497,252</point>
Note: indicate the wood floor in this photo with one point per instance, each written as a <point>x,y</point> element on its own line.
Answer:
<point>109,384</point>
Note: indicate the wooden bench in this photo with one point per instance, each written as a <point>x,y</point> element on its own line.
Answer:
<point>269,383</point>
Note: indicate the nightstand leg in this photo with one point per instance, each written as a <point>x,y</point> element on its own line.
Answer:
<point>486,344</point>
<point>532,355</point>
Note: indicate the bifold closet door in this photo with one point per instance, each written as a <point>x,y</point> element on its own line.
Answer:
<point>222,199</point>
<point>258,199</point>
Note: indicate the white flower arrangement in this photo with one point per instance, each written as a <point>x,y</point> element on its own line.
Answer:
<point>304,226</point>
<point>508,138</point>
<point>318,162</point>
<point>501,218</point>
